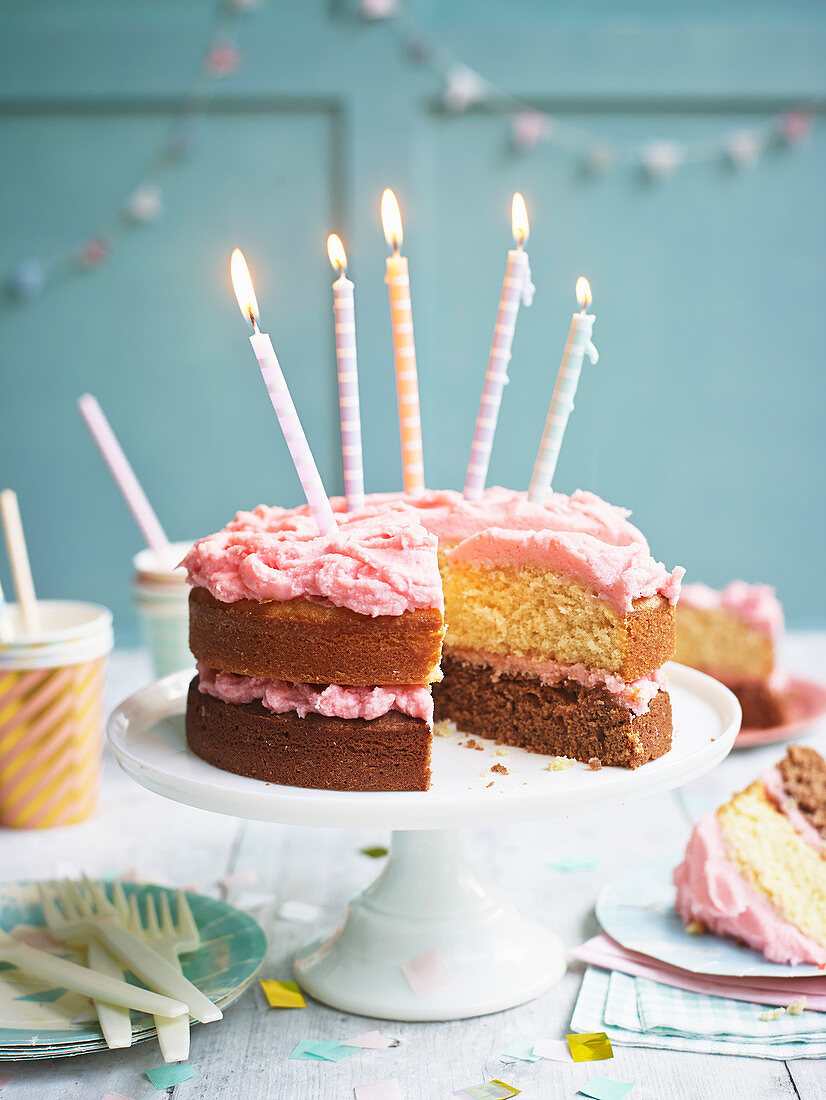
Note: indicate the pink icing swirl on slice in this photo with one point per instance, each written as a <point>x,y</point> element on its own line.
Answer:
<point>756,604</point>
<point>772,782</point>
<point>380,561</point>
<point>711,889</point>
<point>332,700</point>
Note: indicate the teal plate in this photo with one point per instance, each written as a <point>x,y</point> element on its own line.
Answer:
<point>37,1021</point>
<point>637,910</point>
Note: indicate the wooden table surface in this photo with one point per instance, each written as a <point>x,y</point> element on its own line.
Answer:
<point>246,1056</point>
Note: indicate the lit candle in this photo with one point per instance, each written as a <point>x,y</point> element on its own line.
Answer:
<point>348,377</point>
<point>517,287</point>
<point>404,349</point>
<point>281,401</point>
<point>578,345</point>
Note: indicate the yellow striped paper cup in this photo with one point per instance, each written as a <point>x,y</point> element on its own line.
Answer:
<point>51,716</point>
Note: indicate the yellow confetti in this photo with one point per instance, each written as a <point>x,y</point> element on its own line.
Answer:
<point>282,994</point>
<point>590,1047</point>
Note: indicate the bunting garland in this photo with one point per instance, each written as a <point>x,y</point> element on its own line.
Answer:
<point>463,88</point>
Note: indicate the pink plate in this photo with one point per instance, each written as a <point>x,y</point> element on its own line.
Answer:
<point>806,700</point>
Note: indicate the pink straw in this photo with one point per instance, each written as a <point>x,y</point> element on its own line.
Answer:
<point>123,474</point>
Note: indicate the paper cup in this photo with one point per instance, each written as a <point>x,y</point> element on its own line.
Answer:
<point>162,602</point>
<point>51,715</point>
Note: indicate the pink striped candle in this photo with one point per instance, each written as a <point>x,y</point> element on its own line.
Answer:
<point>348,377</point>
<point>517,287</point>
<point>281,401</point>
<point>124,475</point>
<point>404,348</point>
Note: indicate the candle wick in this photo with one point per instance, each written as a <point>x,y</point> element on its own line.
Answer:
<point>520,244</point>
<point>396,248</point>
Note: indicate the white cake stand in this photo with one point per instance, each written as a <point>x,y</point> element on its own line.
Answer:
<point>428,897</point>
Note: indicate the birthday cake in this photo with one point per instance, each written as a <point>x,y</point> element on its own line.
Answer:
<point>732,634</point>
<point>756,869</point>
<point>558,623</point>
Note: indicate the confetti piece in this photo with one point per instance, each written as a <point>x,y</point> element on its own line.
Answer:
<point>371,1040</point>
<point>523,1050</point>
<point>282,994</point>
<point>426,972</point>
<point>164,1077</point>
<point>572,861</point>
<point>239,878</point>
<point>7,1078</point>
<point>251,899</point>
<point>592,1046</point>
<point>606,1088</point>
<point>321,1050</point>
<point>379,1090</point>
<point>555,1049</point>
<point>374,853</point>
<point>490,1090</point>
<point>300,911</point>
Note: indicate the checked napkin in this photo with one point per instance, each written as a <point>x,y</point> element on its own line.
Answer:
<point>641,1013</point>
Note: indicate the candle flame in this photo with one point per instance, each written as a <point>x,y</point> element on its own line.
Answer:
<point>519,219</point>
<point>242,285</point>
<point>335,250</point>
<point>583,293</point>
<point>391,220</point>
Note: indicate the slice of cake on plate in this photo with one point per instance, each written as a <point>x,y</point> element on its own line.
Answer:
<point>733,634</point>
<point>316,652</point>
<point>756,869</point>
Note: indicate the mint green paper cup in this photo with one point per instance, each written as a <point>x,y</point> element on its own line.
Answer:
<point>162,602</point>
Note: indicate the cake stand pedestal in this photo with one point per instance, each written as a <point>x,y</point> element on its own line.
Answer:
<point>428,901</point>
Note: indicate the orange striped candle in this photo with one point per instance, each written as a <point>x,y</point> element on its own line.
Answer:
<point>404,348</point>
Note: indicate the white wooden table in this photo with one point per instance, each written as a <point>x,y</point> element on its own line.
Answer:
<point>245,1057</point>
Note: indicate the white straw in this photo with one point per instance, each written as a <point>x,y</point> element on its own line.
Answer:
<point>124,475</point>
<point>21,571</point>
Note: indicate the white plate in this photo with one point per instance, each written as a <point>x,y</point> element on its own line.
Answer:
<point>637,910</point>
<point>147,737</point>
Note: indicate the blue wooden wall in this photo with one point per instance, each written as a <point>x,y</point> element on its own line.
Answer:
<point>705,414</point>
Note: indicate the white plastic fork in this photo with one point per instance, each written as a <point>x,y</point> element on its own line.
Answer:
<point>170,941</point>
<point>85,912</point>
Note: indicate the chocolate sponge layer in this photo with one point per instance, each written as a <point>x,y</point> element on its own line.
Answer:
<point>390,753</point>
<point>562,720</point>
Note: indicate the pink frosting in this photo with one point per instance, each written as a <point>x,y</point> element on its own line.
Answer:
<point>636,695</point>
<point>772,782</point>
<point>380,561</point>
<point>333,701</point>
<point>757,604</point>
<point>711,889</point>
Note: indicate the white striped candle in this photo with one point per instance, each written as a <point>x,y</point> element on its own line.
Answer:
<point>404,348</point>
<point>276,385</point>
<point>517,288</point>
<point>577,347</point>
<point>348,377</point>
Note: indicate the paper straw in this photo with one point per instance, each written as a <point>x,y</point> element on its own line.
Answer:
<point>19,561</point>
<point>123,474</point>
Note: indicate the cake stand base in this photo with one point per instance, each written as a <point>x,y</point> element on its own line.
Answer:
<point>429,899</point>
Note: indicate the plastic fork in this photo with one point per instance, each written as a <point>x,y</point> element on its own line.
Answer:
<point>170,940</point>
<point>78,912</point>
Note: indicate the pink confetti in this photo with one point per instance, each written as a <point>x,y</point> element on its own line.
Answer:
<point>555,1049</point>
<point>379,1090</point>
<point>426,972</point>
<point>370,1040</point>
<point>239,878</point>
<point>6,1078</point>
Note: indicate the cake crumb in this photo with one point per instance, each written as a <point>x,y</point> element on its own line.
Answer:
<point>696,928</point>
<point>444,728</point>
<point>500,769</point>
<point>560,763</point>
<point>796,1007</point>
<point>490,784</point>
<point>471,743</point>
<point>595,764</point>
<point>772,1014</point>
<point>502,752</point>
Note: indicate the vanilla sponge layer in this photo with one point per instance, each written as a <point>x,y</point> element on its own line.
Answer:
<point>718,641</point>
<point>538,615</point>
<point>776,860</point>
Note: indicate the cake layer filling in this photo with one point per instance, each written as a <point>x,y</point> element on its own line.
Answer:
<point>712,889</point>
<point>332,700</point>
<point>380,561</point>
<point>635,695</point>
